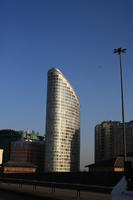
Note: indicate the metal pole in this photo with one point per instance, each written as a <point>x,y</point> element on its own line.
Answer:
<point>123,120</point>
<point>119,51</point>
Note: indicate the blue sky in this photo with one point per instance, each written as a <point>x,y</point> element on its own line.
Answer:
<point>76,36</point>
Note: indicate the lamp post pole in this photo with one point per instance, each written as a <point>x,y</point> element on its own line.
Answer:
<point>119,51</point>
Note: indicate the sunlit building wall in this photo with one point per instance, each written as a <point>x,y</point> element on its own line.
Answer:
<point>62,152</point>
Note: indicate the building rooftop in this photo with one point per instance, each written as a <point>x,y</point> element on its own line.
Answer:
<point>115,162</point>
<point>34,136</point>
<point>19,164</point>
<point>66,81</point>
<point>10,132</point>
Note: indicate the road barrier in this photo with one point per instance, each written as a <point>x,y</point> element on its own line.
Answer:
<point>54,185</point>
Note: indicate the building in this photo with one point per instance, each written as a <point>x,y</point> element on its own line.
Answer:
<point>105,141</point>
<point>109,139</point>
<point>1,159</point>
<point>1,156</point>
<point>23,147</point>
<point>112,165</point>
<point>12,167</point>
<point>6,137</point>
<point>129,136</point>
<point>62,152</point>
<point>28,152</point>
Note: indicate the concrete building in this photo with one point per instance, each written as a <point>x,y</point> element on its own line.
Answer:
<point>23,147</point>
<point>28,152</point>
<point>129,136</point>
<point>109,139</point>
<point>62,152</point>
<point>6,137</point>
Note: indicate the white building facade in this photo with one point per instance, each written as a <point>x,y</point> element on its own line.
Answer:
<point>62,144</point>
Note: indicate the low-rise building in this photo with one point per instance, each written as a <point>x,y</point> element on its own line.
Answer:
<point>6,137</point>
<point>28,151</point>
<point>112,165</point>
<point>23,146</point>
<point>12,167</point>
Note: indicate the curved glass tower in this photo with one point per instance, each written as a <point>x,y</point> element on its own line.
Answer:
<point>62,150</point>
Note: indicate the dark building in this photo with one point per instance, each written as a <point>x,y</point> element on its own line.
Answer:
<point>21,146</point>
<point>109,139</point>
<point>6,137</point>
<point>112,165</point>
<point>12,167</point>
<point>129,136</point>
<point>28,152</point>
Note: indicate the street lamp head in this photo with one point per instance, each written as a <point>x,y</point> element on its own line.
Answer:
<point>120,50</point>
<point>124,50</point>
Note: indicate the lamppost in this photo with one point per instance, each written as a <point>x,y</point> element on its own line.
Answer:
<point>119,51</point>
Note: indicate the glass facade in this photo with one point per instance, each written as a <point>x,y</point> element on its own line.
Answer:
<point>62,152</point>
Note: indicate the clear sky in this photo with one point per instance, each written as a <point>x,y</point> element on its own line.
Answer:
<point>78,37</point>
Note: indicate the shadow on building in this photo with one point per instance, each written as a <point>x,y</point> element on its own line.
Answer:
<point>75,152</point>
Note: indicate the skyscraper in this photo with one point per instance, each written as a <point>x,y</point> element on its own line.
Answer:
<point>105,140</point>
<point>109,139</point>
<point>62,152</point>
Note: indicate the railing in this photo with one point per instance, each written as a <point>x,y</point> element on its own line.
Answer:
<point>54,185</point>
